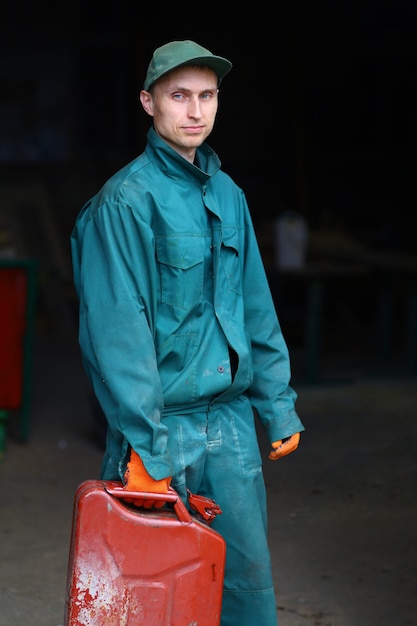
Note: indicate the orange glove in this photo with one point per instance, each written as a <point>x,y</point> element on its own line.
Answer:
<point>284,446</point>
<point>137,479</point>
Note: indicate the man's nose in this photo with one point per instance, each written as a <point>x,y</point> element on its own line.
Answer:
<point>194,108</point>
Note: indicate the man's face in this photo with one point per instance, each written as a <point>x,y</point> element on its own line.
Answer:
<point>183,105</point>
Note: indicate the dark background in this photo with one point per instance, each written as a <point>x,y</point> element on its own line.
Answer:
<point>318,116</point>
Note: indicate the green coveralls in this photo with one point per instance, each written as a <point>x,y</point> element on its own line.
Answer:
<point>180,338</point>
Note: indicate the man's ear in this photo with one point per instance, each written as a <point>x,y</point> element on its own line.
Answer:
<point>146,100</point>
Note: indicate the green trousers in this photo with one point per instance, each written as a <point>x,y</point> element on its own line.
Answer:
<point>216,454</point>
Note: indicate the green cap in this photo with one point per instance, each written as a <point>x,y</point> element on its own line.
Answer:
<point>179,53</point>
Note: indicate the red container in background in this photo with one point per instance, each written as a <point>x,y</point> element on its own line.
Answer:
<point>150,567</point>
<point>13,304</point>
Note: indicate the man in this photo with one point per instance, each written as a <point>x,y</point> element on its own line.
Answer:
<point>178,329</point>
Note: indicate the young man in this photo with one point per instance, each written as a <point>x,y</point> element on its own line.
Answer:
<point>178,329</point>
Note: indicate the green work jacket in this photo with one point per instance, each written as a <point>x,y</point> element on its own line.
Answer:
<point>171,283</point>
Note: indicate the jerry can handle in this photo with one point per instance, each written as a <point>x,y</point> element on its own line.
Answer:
<point>118,491</point>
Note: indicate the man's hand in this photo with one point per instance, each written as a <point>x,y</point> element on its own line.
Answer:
<point>284,446</point>
<point>138,479</point>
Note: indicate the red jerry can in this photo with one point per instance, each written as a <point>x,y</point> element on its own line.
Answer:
<point>141,567</point>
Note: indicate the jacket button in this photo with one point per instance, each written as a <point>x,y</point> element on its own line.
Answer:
<point>220,369</point>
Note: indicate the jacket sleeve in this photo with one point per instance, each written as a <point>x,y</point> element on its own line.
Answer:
<point>114,269</point>
<point>270,392</point>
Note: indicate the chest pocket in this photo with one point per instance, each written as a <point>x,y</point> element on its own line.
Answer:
<point>230,259</point>
<point>181,266</point>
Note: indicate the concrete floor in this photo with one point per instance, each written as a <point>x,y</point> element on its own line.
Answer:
<point>342,509</point>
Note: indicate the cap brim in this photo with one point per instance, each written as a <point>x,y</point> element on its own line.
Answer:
<point>219,64</point>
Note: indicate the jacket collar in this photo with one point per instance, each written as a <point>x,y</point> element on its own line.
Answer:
<point>175,166</point>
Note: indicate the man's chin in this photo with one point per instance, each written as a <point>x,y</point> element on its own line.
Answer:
<point>194,141</point>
